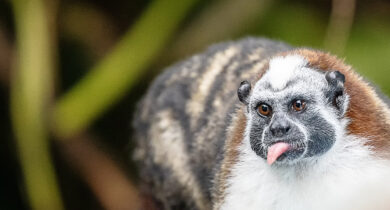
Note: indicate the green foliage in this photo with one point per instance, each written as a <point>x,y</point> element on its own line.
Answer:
<point>296,24</point>
<point>113,76</point>
<point>368,50</point>
<point>31,91</point>
<point>102,87</point>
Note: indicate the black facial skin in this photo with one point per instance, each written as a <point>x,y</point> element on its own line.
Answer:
<point>271,136</point>
<point>321,134</point>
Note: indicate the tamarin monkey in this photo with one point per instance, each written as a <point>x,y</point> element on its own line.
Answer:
<point>257,124</point>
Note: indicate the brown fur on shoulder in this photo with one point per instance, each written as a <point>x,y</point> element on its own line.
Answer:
<point>236,134</point>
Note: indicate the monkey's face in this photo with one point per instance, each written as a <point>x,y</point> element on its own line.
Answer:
<point>294,111</point>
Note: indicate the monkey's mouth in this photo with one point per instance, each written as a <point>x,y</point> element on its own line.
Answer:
<point>281,150</point>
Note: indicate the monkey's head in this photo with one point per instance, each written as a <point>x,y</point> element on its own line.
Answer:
<point>295,112</point>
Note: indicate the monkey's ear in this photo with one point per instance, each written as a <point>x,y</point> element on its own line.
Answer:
<point>335,77</point>
<point>243,92</point>
<point>336,92</point>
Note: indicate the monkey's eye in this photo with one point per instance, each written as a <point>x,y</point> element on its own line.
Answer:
<point>264,109</point>
<point>299,105</point>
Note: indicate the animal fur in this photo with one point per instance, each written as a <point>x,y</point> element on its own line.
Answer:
<point>193,148</point>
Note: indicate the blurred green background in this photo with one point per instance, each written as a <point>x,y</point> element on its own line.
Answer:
<point>72,71</point>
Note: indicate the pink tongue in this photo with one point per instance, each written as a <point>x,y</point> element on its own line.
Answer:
<point>275,151</point>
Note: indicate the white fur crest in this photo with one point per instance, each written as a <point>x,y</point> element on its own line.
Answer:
<point>281,69</point>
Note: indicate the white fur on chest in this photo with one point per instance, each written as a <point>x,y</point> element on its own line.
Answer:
<point>347,177</point>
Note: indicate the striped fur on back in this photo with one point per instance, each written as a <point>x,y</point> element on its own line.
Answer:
<point>182,121</point>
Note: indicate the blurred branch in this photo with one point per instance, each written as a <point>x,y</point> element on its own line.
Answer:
<point>223,19</point>
<point>340,24</point>
<point>113,76</point>
<point>106,179</point>
<point>31,86</point>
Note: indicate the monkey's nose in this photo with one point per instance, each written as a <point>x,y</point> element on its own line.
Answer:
<point>280,128</point>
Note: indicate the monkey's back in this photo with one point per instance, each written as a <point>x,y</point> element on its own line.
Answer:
<point>181,124</point>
